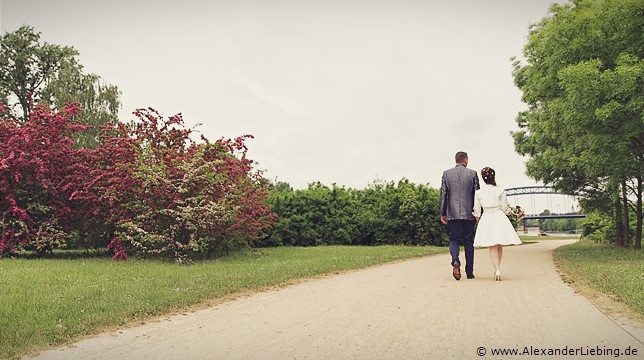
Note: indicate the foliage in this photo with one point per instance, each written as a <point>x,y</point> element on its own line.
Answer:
<point>26,67</point>
<point>600,227</point>
<point>402,213</point>
<point>383,213</point>
<point>583,130</point>
<point>318,215</point>
<point>149,189</point>
<point>35,161</point>
<point>99,101</point>
<point>104,182</point>
<point>191,198</point>
<point>560,225</point>
<point>32,72</point>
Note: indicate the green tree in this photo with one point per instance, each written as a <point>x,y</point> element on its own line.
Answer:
<point>33,72</point>
<point>583,130</point>
<point>99,101</point>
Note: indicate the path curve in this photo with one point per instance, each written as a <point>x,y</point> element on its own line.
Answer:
<point>408,310</point>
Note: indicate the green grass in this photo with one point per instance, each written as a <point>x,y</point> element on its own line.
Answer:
<point>610,270</point>
<point>531,238</point>
<point>53,301</point>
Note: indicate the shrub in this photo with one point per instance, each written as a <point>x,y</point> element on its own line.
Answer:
<point>383,213</point>
<point>147,188</point>
<point>192,199</point>
<point>35,161</point>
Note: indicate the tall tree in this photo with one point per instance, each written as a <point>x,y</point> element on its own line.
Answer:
<point>583,130</point>
<point>33,72</point>
<point>99,101</point>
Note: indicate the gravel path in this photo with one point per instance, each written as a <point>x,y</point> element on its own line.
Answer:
<point>408,310</point>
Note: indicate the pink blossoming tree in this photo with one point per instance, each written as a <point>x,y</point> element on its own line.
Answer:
<point>147,188</point>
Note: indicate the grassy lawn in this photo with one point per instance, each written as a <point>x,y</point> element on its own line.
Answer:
<point>532,238</point>
<point>53,301</point>
<point>604,269</point>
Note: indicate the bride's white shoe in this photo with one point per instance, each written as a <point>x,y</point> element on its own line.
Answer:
<point>497,275</point>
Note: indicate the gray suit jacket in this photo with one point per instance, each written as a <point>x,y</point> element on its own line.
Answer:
<point>458,186</point>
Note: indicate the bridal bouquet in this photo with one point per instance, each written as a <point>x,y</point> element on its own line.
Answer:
<point>515,214</point>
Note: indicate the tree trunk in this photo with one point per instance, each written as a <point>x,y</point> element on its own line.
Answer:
<point>26,111</point>
<point>638,230</point>
<point>619,229</point>
<point>625,224</point>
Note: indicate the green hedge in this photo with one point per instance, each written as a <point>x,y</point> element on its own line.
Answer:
<point>383,213</point>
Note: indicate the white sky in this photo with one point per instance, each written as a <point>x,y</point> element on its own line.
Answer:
<point>337,91</point>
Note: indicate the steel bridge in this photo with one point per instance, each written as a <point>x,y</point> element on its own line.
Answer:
<point>529,190</point>
<point>537,190</point>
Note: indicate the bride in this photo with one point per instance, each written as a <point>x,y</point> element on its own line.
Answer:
<point>494,229</point>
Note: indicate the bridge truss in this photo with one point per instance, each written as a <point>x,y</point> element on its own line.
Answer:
<point>530,190</point>
<point>537,190</point>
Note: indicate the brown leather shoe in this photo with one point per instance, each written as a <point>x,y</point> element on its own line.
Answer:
<point>456,272</point>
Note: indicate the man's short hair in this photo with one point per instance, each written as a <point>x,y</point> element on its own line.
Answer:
<point>461,156</point>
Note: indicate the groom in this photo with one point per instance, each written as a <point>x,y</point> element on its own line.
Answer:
<point>457,203</point>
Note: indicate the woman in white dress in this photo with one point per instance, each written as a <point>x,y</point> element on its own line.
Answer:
<point>494,229</point>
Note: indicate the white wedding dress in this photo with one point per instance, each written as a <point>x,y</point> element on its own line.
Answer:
<point>494,227</point>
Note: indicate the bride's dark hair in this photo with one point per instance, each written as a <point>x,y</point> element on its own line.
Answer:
<point>487,173</point>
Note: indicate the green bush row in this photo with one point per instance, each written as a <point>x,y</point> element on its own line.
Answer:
<point>383,213</point>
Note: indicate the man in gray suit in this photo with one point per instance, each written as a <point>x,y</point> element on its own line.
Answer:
<point>457,203</point>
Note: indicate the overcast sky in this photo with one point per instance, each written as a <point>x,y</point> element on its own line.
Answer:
<point>336,91</point>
